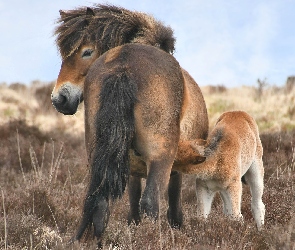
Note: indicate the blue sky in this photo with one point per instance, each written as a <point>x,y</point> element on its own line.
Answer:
<point>229,42</point>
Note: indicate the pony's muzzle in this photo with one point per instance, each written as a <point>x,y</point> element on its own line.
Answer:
<point>67,99</point>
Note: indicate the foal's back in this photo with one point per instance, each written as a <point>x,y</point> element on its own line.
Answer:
<point>236,151</point>
<point>241,133</point>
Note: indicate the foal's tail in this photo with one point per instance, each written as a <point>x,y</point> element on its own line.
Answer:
<point>114,132</point>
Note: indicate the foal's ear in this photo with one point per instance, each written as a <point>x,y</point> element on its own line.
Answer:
<point>199,145</point>
<point>199,159</point>
<point>200,142</point>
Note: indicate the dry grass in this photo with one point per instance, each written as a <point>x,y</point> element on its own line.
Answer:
<point>44,174</point>
<point>274,110</point>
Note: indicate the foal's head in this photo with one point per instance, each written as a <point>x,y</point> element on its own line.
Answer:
<point>84,34</point>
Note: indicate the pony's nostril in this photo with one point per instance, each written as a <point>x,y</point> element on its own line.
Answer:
<point>59,100</point>
<point>62,99</point>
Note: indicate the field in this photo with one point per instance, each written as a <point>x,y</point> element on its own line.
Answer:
<point>44,176</point>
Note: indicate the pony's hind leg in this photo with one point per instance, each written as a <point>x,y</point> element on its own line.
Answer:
<point>254,177</point>
<point>100,218</point>
<point>97,216</point>
<point>134,191</point>
<point>174,212</point>
<point>156,184</point>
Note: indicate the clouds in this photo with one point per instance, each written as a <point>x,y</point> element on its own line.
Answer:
<point>259,35</point>
<point>219,42</point>
<point>233,43</point>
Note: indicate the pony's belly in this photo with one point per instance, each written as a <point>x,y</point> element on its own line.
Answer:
<point>137,165</point>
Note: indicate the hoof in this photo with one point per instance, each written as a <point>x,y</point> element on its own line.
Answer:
<point>175,220</point>
<point>133,219</point>
<point>148,208</point>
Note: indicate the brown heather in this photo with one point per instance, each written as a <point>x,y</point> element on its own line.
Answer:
<point>43,178</point>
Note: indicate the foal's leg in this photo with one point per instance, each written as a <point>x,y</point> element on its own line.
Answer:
<point>232,197</point>
<point>254,177</point>
<point>227,209</point>
<point>204,199</point>
<point>134,191</point>
<point>174,212</point>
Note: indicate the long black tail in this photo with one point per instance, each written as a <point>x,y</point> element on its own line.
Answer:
<point>114,132</point>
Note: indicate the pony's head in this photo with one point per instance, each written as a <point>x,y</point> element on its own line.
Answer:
<point>85,33</point>
<point>78,53</point>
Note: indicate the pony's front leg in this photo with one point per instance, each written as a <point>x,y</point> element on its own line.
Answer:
<point>100,219</point>
<point>156,184</point>
<point>174,212</point>
<point>134,191</point>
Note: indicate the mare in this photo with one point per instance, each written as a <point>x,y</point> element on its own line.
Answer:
<point>139,103</point>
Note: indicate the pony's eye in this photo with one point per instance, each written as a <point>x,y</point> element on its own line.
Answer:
<point>87,53</point>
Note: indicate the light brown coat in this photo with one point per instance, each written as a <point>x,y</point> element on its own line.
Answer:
<point>232,151</point>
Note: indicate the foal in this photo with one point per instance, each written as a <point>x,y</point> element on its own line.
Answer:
<point>233,150</point>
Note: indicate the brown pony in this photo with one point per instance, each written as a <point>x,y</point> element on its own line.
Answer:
<point>139,103</point>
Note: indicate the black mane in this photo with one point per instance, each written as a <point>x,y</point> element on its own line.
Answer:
<point>108,26</point>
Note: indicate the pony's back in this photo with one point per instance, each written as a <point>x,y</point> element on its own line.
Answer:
<point>133,98</point>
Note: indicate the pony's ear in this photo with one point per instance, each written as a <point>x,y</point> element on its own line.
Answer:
<point>89,12</point>
<point>62,14</point>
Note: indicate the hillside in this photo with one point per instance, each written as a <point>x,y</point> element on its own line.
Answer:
<point>44,176</point>
<point>271,106</point>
